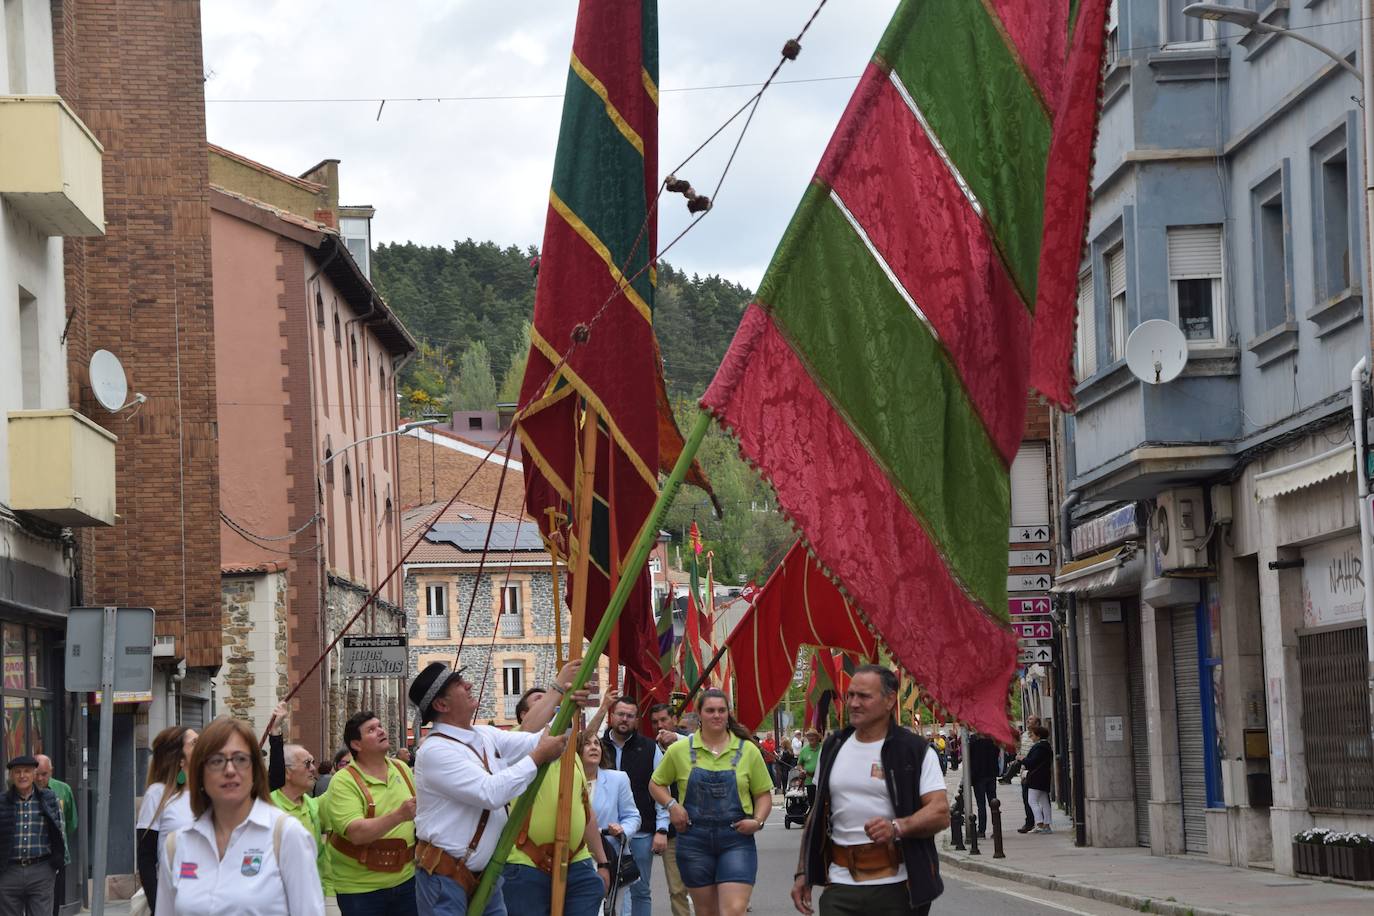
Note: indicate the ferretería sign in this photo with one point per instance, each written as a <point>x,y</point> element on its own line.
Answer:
<point>375,656</point>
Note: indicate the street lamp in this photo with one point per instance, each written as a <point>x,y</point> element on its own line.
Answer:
<point>1250,19</point>
<point>402,430</point>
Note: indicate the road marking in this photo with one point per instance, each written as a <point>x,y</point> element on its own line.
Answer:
<point>1028,897</point>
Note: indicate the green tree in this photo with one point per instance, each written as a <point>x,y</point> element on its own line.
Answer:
<point>474,388</point>
<point>515,370</point>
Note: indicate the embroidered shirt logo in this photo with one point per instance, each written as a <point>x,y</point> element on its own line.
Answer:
<point>188,871</point>
<point>251,865</point>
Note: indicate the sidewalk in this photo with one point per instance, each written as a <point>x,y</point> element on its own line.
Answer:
<point>1133,878</point>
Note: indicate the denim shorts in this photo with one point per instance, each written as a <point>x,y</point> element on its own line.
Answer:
<point>708,855</point>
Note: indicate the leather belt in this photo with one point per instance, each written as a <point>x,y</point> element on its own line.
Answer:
<point>437,862</point>
<point>26,861</point>
<point>866,861</point>
<point>388,855</point>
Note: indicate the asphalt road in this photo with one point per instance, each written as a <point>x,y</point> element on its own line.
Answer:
<point>965,892</point>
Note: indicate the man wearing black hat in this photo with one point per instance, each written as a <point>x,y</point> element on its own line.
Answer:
<point>32,843</point>
<point>465,776</point>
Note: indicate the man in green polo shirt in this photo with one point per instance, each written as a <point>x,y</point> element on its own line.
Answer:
<point>67,803</point>
<point>295,799</point>
<point>371,850</point>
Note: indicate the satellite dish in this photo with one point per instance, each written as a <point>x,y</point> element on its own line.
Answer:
<point>107,380</point>
<point>1156,351</point>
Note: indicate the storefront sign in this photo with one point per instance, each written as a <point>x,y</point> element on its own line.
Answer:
<point>1111,611</point>
<point>375,656</point>
<point>1106,530</point>
<point>1333,583</point>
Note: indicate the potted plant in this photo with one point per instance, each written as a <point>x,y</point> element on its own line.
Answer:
<point>1309,851</point>
<point>1349,855</point>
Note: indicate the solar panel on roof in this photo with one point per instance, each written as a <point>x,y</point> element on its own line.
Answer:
<point>470,536</point>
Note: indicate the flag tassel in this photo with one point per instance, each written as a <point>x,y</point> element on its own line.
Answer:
<point>638,558</point>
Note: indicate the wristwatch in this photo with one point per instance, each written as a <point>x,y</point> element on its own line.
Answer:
<point>662,831</point>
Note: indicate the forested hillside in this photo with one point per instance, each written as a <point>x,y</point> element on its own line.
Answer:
<point>474,299</point>
<point>470,305</point>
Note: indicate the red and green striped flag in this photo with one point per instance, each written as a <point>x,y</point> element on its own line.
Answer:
<point>926,281</point>
<point>596,272</point>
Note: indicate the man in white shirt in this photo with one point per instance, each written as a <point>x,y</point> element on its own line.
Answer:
<point>880,801</point>
<point>797,742</point>
<point>465,776</point>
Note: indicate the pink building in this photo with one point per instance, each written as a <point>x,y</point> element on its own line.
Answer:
<point>306,357</point>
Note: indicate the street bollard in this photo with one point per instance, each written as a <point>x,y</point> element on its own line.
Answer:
<point>956,821</point>
<point>997,851</point>
<point>973,826</point>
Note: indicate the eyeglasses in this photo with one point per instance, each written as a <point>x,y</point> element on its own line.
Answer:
<point>307,764</point>
<point>216,762</point>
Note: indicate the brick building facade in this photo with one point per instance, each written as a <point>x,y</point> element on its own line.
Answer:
<point>134,74</point>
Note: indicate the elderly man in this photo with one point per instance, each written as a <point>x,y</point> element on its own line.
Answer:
<point>66,802</point>
<point>32,843</point>
<point>295,798</point>
<point>880,801</point>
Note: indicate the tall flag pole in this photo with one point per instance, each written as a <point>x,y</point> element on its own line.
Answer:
<point>891,335</point>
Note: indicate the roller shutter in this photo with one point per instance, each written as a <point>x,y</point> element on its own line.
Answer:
<point>1191,747</point>
<point>1140,740</point>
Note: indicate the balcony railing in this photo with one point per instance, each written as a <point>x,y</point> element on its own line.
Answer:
<point>511,625</point>
<point>62,467</point>
<point>510,704</point>
<point>437,627</point>
<point>50,166</point>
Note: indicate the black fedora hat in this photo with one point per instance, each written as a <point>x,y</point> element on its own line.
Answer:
<point>428,684</point>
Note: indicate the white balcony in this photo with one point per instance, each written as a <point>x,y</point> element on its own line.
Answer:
<point>62,468</point>
<point>50,166</point>
<point>511,626</point>
<point>510,704</point>
<point>436,627</point>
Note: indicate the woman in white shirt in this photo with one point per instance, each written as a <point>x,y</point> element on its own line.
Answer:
<point>166,807</point>
<point>613,802</point>
<point>242,854</point>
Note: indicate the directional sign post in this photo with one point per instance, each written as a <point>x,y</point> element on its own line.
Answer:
<point>1032,557</point>
<point>1029,582</point>
<point>1033,629</point>
<point>1029,534</point>
<point>1035,655</point>
<point>1029,606</point>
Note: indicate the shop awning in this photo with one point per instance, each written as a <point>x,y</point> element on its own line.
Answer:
<point>1305,473</point>
<point>1100,572</point>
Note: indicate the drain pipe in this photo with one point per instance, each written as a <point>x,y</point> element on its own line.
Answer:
<point>1358,378</point>
<point>1080,822</point>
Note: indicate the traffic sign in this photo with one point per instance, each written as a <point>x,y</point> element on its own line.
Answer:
<point>1037,655</point>
<point>1030,643</point>
<point>1029,534</point>
<point>1029,582</point>
<point>1029,606</point>
<point>1040,557</point>
<point>1033,629</point>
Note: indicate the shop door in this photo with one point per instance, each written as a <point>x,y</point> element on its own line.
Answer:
<point>1140,741</point>
<point>1192,749</point>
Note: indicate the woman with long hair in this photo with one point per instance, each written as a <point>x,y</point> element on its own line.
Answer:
<point>613,803</point>
<point>1037,767</point>
<point>166,807</point>
<point>726,795</point>
<point>242,854</point>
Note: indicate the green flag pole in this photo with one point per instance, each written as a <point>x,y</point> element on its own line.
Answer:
<point>598,645</point>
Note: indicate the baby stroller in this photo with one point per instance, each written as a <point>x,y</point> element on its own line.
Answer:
<point>797,801</point>
<point>624,872</point>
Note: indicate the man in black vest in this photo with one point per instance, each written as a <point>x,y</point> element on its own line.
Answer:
<point>624,748</point>
<point>880,801</point>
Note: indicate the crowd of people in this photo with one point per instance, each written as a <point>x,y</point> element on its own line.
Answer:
<point>225,828</point>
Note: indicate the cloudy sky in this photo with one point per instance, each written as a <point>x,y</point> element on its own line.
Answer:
<point>292,83</point>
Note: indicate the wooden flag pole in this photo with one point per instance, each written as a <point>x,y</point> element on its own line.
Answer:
<point>555,554</point>
<point>599,639</point>
<point>614,667</point>
<point>585,495</point>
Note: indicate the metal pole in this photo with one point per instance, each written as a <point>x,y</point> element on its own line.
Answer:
<point>1367,66</point>
<point>597,645</point>
<point>970,819</point>
<point>106,752</point>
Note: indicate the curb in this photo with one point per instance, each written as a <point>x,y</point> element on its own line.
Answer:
<point>1101,894</point>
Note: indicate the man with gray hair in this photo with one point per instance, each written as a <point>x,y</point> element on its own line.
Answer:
<point>66,803</point>
<point>295,798</point>
<point>880,801</point>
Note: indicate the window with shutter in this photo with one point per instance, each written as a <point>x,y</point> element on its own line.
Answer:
<point>1030,486</point>
<point>1116,302</point>
<point>1086,351</point>
<point>1195,290</point>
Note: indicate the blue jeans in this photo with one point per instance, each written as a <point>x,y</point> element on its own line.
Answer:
<point>434,894</point>
<point>526,889</point>
<point>637,899</point>
<point>390,901</point>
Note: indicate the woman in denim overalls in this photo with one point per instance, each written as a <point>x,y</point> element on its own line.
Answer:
<point>716,854</point>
